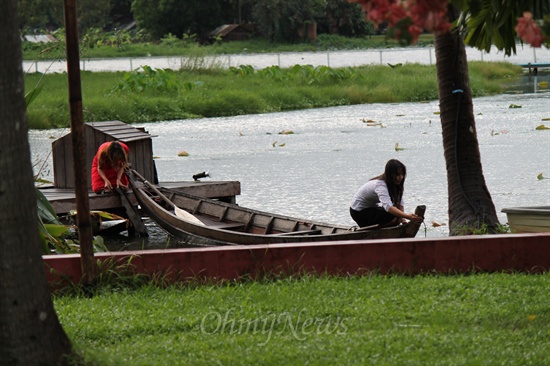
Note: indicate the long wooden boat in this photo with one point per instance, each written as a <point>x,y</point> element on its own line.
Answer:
<point>203,221</point>
<point>534,219</point>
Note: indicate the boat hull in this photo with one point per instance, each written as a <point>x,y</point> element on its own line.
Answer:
<point>528,219</point>
<point>223,223</point>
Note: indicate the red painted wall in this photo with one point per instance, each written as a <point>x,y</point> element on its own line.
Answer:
<point>487,253</point>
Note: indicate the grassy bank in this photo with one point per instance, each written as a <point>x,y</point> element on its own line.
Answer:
<point>154,95</point>
<point>172,46</point>
<point>482,319</point>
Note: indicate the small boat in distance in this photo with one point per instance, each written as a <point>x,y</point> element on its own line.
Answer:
<point>534,219</point>
<point>203,221</point>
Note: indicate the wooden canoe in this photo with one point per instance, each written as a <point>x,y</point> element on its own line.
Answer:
<point>203,221</point>
<point>528,219</point>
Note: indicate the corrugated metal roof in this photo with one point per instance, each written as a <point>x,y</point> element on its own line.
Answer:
<point>120,131</point>
<point>224,30</point>
<point>40,38</point>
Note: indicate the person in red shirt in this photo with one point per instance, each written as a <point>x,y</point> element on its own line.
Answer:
<point>108,167</point>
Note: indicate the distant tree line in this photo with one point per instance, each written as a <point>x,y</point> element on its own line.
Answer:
<point>277,20</point>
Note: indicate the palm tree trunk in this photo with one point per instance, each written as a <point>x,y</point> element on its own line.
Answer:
<point>30,333</point>
<point>470,203</point>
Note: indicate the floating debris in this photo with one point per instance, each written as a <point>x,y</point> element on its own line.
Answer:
<point>183,153</point>
<point>541,177</point>
<point>496,133</point>
<point>514,106</point>
<point>397,148</point>
<point>286,132</point>
<point>437,112</point>
<point>542,127</point>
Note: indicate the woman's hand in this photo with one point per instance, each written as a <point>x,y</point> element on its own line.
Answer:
<point>108,185</point>
<point>120,184</point>
<point>415,218</point>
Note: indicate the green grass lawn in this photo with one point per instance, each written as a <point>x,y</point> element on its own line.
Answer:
<point>480,319</point>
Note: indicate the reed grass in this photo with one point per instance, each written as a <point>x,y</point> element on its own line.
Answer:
<point>477,319</point>
<point>191,92</point>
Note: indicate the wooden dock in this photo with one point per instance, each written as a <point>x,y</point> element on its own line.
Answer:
<point>63,199</point>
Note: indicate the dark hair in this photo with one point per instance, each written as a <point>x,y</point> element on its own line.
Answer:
<point>394,168</point>
<point>114,155</point>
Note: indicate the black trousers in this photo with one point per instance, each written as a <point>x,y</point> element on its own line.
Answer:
<point>371,216</point>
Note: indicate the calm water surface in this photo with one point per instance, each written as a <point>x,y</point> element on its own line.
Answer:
<point>314,172</point>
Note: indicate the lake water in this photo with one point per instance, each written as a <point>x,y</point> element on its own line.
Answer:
<point>314,172</point>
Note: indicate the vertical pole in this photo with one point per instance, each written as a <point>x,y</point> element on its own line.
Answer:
<point>85,236</point>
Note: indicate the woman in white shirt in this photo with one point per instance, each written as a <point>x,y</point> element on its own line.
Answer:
<point>380,200</point>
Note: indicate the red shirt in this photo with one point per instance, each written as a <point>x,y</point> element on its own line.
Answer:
<point>98,184</point>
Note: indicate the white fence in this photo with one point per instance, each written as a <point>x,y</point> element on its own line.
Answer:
<point>524,55</point>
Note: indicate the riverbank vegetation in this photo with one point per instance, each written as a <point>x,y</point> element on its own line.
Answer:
<point>119,45</point>
<point>482,319</point>
<point>200,90</point>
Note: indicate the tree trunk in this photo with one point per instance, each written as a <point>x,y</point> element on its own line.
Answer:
<point>30,333</point>
<point>470,203</point>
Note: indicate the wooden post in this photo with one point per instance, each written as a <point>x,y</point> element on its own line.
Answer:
<point>85,235</point>
<point>132,213</point>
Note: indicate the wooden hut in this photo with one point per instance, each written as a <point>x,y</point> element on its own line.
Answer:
<point>138,140</point>
<point>232,32</point>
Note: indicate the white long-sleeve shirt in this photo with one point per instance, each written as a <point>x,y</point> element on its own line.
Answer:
<point>374,193</point>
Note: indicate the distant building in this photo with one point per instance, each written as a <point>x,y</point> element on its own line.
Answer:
<point>232,32</point>
<point>39,38</point>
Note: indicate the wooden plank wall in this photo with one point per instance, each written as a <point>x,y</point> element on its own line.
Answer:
<point>141,154</point>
